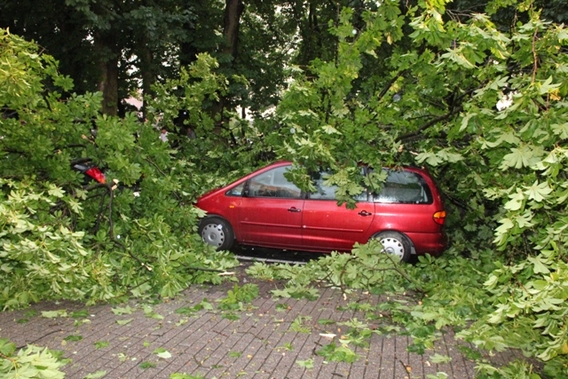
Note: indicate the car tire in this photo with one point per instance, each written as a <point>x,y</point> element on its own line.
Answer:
<point>396,244</point>
<point>216,232</point>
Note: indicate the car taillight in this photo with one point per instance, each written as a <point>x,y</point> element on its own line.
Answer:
<point>439,217</point>
<point>96,174</point>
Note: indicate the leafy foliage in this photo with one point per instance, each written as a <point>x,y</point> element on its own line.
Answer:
<point>338,353</point>
<point>93,242</point>
<point>30,362</point>
<point>423,301</point>
<point>301,324</point>
<point>239,296</point>
<point>482,105</point>
<point>478,98</point>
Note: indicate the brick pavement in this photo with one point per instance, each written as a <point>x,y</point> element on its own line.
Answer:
<point>262,343</point>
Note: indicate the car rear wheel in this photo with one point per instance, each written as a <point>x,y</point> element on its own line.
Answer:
<point>395,244</point>
<point>217,232</point>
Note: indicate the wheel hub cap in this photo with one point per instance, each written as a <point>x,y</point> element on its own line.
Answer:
<point>213,234</point>
<point>393,246</point>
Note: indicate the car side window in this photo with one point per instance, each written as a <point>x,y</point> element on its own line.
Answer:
<point>272,183</point>
<point>404,187</point>
<point>236,191</point>
<point>327,192</point>
<point>323,191</point>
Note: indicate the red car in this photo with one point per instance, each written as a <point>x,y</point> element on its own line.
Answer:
<point>265,209</point>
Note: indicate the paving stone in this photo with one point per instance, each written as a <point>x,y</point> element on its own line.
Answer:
<point>261,344</point>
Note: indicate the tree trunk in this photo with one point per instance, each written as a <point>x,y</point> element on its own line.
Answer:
<point>233,11</point>
<point>148,74</point>
<point>105,45</point>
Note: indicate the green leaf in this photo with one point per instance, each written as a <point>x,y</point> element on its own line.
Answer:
<point>101,344</point>
<point>438,375</point>
<point>149,312</point>
<point>96,375</point>
<point>54,314</point>
<point>516,201</point>
<point>122,310</point>
<point>538,192</point>
<point>430,158</point>
<point>231,316</point>
<point>301,324</point>
<point>440,359</point>
<point>547,86</point>
<point>325,321</point>
<point>147,365</point>
<point>286,346</point>
<point>56,192</point>
<point>335,353</point>
<point>162,353</point>
<point>80,314</point>
<point>539,265</point>
<point>502,230</point>
<point>458,58</point>
<point>451,156</point>
<point>206,305</point>
<point>73,338</point>
<point>518,158</point>
<point>561,130</point>
<point>307,364</point>
<point>239,296</point>
<point>524,220</point>
<point>7,348</point>
<point>328,129</point>
<point>465,121</point>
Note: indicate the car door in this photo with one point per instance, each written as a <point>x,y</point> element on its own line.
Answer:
<point>327,226</point>
<point>271,210</point>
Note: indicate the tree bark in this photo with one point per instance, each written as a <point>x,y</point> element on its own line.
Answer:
<point>233,12</point>
<point>105,45</point>
<point>148,74</point>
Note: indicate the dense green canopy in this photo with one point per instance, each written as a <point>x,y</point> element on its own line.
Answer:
<point>474,91</point>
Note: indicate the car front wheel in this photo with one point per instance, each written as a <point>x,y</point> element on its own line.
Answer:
<point>395,244</point>
<point>216,232</point>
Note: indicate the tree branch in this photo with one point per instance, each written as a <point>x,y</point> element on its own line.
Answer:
<point>389,84</point>
<point>425,126</point>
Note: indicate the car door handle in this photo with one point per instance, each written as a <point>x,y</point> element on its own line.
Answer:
<point>365,213</point>
<point>294,209</point>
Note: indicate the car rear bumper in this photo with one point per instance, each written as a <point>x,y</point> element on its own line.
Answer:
<point>429,243</point>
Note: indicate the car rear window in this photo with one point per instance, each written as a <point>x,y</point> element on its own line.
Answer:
<point>404,187</point>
